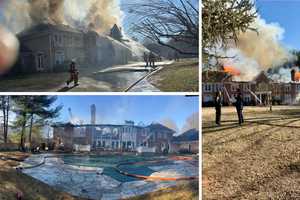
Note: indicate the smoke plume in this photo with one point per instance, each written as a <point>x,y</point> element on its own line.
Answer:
<point>99,15</point>
<point>258,51</point>
<point>170,124</point>
<point>102,15</point>
<point>46,11</point>
<point>192,122</point>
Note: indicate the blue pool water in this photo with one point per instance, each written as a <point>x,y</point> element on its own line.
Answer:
<point>108,162</point>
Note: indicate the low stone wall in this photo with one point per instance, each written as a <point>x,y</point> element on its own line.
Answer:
<point>9,147</point>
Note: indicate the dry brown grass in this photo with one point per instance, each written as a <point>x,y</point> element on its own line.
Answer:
<point>180,76</point>
<point>187,190</point>
<point>259,160</point>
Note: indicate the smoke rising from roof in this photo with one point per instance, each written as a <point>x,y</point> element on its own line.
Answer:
<point>46,11</point>
<point>102,15</point>
<point>257,51</point>
<point>192,122</point>
<point>170,124</point>
<point>99,15</point>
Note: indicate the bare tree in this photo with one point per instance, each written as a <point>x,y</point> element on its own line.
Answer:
<point>167,22</point>
<point>5,107</point>
<point>223,21</point>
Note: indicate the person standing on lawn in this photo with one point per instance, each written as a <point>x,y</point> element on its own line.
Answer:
<point>218,106</point>
<point>152,60</point>
<point>239,104</point>
<point>146,59</point>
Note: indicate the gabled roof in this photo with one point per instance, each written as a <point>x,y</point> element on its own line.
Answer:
<point>157,126</point>
<point>262,77</point>
<point>46,27</point>
<point>115,29</point>
<point>190,135</point>
<point>215,76</point>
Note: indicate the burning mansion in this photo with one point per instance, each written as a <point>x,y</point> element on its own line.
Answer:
<point>261,90</point>
<point>154,138</point>
<point>48,47</point>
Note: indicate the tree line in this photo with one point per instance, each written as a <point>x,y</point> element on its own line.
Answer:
<point>28,111</point>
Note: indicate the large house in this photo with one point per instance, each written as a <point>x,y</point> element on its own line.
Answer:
<point>47,48</point>
<point>260,91</point>
<point>126,137</point>
<point>187,142</point>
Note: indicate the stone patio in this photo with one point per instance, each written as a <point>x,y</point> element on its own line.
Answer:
<point>90,182</point>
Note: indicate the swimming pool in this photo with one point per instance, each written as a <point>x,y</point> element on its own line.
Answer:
<point>123,162</point>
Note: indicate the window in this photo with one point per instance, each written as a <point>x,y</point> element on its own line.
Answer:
<point>58,40</point>
<point>59,57</point>
<point>113,144</point>
<point>234,87</point>
<point>246,86</point>
<point>207,87</point>
<point>247,98</point>
<point>40,62</point>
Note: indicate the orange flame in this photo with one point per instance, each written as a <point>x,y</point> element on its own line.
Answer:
<point>297,76</point>
<point>231,70</point>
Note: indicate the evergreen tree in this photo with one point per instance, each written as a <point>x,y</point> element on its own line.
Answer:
<point>33,110</point>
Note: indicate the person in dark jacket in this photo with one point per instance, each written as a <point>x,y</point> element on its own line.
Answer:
<point>152,60</point>
<point>74,73</point>
<point>239,104</point>
<point>218,106</point>
<point>146,59</point>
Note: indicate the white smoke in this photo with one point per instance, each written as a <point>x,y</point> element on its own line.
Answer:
<point>170,124</point>
<point>283,75</point>
<point>9,48</point>
<point>99,15</point>
<point>192,122</point>
<point>258,51</point>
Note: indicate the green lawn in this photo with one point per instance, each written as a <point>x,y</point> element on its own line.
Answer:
<point>180,76</point>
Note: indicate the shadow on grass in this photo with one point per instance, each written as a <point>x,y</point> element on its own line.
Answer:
<point>263,179</point>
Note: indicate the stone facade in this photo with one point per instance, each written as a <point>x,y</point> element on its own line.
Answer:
<point>48,48</point>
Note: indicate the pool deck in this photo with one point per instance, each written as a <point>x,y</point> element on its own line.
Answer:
<point>89,182</point>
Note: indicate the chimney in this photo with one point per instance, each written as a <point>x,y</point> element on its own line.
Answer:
<point>93,114</point>
<point>293,72</point>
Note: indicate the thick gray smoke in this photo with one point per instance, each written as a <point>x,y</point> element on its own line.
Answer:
<point>100,15</point>
<point>258,51</point>
<point>46,11</point>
